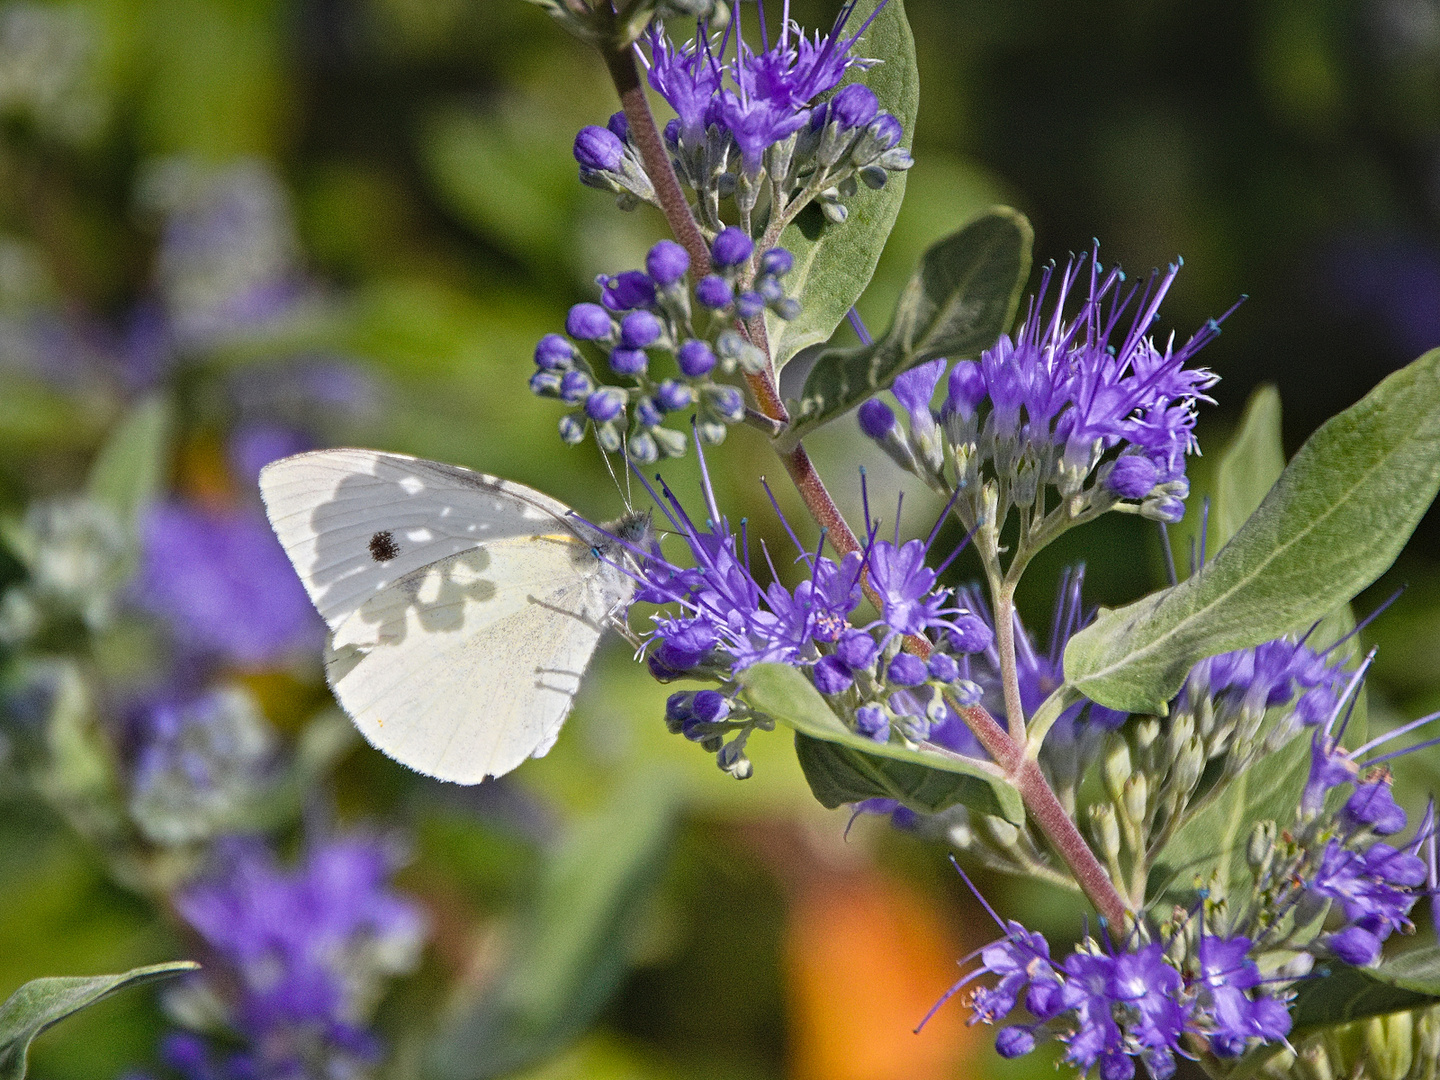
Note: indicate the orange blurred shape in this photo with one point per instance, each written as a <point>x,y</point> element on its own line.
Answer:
<point>866,958</point>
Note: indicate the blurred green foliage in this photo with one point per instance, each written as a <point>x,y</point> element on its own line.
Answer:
<point>1287,149</point>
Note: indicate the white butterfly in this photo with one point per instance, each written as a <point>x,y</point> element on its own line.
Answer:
<point>463,608</point>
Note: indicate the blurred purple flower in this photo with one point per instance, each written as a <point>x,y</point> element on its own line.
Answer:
<point>224,583</point>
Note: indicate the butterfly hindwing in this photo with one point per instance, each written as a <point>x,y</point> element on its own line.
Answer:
<point>469,666</point>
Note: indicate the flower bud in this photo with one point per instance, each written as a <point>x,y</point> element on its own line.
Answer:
<point>871,721</point>
<point>572,429</point>
<point>696,359</point>
<point>628,362</point>
<point>1106,830</point>
<point>640,329</point>
<point>667,262</point>
<point>605,404</point>
<point>714,292</point>
<point>776,262</point>
<point>554,353</point>
<point>642,449</point>
<point>671,395</point>
<point>732,247</point>
<point>1117,767</point>
<point>598,148</point>
<point>589,322</point>
<point>907,669</point>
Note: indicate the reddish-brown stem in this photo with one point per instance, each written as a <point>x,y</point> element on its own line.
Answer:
<point>1047,812</point>
<point>625,73</point>
<point>1008,752</point>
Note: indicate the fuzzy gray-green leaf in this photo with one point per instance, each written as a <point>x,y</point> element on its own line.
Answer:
<point>1336,519</point>
<point>834,263</point>
<point>960,299</point>
<point>1249,467</point>
<point>42,1002</point>
<point>842,767</point>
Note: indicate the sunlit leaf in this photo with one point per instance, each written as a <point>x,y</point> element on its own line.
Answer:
<point>1334,522</point>
<point>43,1002</point>
<point>834,263</point>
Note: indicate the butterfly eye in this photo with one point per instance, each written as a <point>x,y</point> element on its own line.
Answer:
<point>382,547</point>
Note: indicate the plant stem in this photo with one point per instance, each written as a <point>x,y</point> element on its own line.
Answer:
<point>625,74</point>
<point>1007,751</point>
<point>1046,810</point>
<point>1003,598</point>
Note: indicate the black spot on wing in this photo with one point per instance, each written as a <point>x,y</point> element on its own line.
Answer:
<point>383,547</point>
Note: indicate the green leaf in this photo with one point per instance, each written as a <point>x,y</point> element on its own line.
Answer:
<point>42,1002</point>
<point>843,767</point>
<point>1336,519</point>
<point>130,469</point>
<point>1249,467</point>
<point>1409,981</point>
<point>834,263</point>
<point>961,298</point>
<point>574,941</point>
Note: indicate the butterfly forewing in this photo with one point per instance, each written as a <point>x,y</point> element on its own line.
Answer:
<point>354,521</point>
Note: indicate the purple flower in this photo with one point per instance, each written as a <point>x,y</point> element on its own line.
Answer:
<point>687,77</point>
<point>773,92</point>
<point>223,582</point>
<point>854,106</point>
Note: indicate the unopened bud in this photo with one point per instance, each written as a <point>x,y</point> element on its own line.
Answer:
<point>1106,830</point>
<point>1389,1046</point>
<point>1260,848</point>
<point>1117,768</point>
<point>1136,800</point>
<point>1000,832</point>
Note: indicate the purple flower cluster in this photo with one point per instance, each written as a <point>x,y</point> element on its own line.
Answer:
<point>298,957</point>
<point>775,111</point>
<point>1246,682</point>
<point>722,620</point>
<point>223,582</point>
<point>1046,406</point>
<point>1110,1006</point>
<point>643,312</point>
<point>1373,883</point>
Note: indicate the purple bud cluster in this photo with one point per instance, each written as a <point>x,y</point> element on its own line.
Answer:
<point>719,620</point>
<point>773,113</point>
<point>653,311</point>
<point>1062,404</point>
